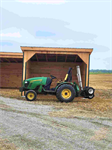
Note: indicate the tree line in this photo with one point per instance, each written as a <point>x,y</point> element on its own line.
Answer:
<point>100,71</point>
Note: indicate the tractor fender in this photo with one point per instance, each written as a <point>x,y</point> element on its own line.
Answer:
<point>64,83</point>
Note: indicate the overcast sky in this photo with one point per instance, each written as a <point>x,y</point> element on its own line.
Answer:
<point>58,23</point>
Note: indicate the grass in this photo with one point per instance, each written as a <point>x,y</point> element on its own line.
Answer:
<point>100,105</point>
<point>100,72</point>
<point>6,145</point>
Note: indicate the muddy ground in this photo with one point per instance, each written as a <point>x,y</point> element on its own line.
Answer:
<point>28,126</point>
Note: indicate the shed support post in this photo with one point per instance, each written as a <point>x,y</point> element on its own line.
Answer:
<point>24,73</point>
<point>85,58</point>
<point>88,69</point>
<point>28,69</point>
<point>85,73</point>
<point>26,57</point>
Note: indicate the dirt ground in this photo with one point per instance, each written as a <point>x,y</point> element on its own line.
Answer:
<point>47,124</point>
<point>26,126</point>
<point>100,105</point>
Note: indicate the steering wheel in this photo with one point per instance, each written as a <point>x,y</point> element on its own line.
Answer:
<point>53,77</point>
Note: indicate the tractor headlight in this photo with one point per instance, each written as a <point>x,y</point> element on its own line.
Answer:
<point>26,83</point>
<point>90,91</point>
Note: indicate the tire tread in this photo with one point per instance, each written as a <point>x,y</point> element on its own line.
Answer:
<point>59,90</point>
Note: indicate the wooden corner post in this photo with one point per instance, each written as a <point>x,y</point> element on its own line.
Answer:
<point>26,56</point>
<point>85,58</point>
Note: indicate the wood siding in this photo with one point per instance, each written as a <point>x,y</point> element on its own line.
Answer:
<point>58,69</point>
<point>10,75</point>
<point>83,54</point>
<point>12,71</point>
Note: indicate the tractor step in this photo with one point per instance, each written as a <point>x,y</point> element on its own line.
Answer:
<point>49,91</point>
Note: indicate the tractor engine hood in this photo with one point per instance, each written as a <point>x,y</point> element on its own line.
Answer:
<point>34,82</point>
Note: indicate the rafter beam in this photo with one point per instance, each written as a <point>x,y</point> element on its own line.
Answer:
<point>7,60</point>
<point>37,57</point>
<point>15,60</point>
<point>75,58</point>
<point>65,58</point>
<point>56,57</point>
<point>46,58</point>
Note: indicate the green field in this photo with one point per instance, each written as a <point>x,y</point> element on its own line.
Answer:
<point>100,71</point>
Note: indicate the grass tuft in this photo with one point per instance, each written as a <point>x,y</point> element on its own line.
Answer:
<point>6,145</point>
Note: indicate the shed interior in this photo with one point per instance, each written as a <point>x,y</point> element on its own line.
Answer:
<point>57,65</point>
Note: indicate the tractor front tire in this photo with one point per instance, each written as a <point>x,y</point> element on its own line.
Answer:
<point>31,95</point>
<point>65,93</point>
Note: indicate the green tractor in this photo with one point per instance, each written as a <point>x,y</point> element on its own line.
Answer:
<point>65,90</point>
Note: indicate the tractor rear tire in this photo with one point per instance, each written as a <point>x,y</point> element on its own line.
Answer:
<point>66,93</point>
<point>31,95</point>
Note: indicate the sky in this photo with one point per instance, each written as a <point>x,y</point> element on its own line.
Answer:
<point>58,23</point>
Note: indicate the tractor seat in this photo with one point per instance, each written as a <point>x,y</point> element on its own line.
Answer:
<point>53,77</point>
<point>48,82</point>
<point>68,77</point>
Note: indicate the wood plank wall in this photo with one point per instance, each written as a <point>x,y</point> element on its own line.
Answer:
<point>10,75</point>
<point>58,69</point>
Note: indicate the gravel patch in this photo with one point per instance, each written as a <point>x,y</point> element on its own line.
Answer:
<point>30,127</point>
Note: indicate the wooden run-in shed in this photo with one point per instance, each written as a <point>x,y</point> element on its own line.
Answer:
<point>10,69</point>
<point>46,61</point>
<point>43,61</point>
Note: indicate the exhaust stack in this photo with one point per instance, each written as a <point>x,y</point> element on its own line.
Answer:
<point>79,77</point>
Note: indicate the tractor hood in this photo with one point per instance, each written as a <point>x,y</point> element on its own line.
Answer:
<point>34,82</point>
<point>36,79</point>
